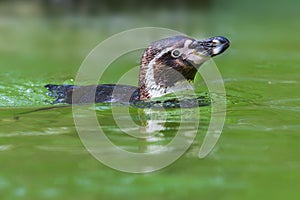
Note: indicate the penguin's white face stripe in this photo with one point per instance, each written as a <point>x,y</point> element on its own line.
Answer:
<point>153,89</point>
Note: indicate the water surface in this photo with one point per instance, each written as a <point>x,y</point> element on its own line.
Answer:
<point>257,157</point>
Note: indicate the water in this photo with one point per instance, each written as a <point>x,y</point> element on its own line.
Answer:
<point>257,157</point>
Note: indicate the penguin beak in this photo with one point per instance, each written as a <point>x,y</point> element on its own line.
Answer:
<point>201,50</point>
<point>213,46</point>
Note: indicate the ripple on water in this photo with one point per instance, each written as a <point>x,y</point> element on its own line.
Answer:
<point>4,183</point>
<point>264,80</point>
<point>20,191</point>
<point>257,104</point>
<point>20,92</point>
<point>66,149</point>
<point>50,192</point>
<point>46,131</point>
<point>6,147</point>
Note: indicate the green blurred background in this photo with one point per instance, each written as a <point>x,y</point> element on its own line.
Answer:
<point>257,156</point>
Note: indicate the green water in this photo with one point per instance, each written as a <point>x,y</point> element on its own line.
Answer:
<point>257,156</point>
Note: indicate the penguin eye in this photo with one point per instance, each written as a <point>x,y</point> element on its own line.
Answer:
<point>175,53</point>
